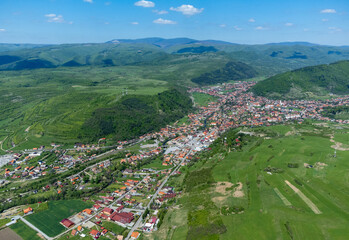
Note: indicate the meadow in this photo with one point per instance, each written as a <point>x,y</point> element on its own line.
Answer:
<point>48,220</point>
<point>265,207</point>
<point>25,232</point>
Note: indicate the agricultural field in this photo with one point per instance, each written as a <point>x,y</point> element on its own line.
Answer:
<point>48,220</point>
<point>25,232</point>
<point>283,181</point>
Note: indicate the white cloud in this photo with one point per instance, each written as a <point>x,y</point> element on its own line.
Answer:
<point>335,29</point>
<point>222,25</point>
<point>144,3</point>
<point>106,23</point>
<point>54,18</point>
<point>306,30</point>
<point>328,11</point>
<point>2,30</point>
<point>134,23</point>
<point>160,12</point>
<point>89,1</point>
<point>324,20</point>
<point>288,24</point>
<point>107,3</point>
<point>187,10</point>
<point>163,21</point>
<point>261,28</point>
<point>251,20</point>
<point>237,28</point>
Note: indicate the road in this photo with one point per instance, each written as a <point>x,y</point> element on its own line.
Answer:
<point>136,225</point>
<point>35,228</point>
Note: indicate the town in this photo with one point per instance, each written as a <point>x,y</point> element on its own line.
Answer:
<point>126,187</point>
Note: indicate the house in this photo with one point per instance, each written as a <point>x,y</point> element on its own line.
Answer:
<point>88,211</point>
<point>124,217</point>
<point>104,232</point>
<point>74,232</point>
<point>107,211</point>
<point>94,233</point>
<point>96,207</point>
<point>80,229</point>
<point>134,235</point>
<point>27,210</point>
<point>67,223</point>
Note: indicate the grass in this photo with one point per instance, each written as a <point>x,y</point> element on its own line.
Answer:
<point>4,221</point>
<point>264,211</point>
<point>113,227</point>
<point>157,165</point>
<point>48,220</point>
<point>202,99</point>
<point>25,232</point>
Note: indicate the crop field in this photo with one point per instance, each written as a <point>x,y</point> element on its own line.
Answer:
<point>48,220</point>
<point>244,194</point>
<point>25,232</point>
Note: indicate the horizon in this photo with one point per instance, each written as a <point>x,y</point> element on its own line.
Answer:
<point>299,42</point>
<point>242,22</point>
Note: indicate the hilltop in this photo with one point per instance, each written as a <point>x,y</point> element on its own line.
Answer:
<point>308,81</point>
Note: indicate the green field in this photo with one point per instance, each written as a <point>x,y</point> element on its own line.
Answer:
<point>263,212</point>
<point>202,99</point>
<point>157,164</point>
<point>24,231</point>
<point>48,220</point>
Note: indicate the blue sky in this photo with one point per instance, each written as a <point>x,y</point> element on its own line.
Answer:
<point>238,21</point>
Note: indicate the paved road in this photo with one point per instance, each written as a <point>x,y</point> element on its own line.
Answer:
<point>35,228</point>
<point>136,225</point>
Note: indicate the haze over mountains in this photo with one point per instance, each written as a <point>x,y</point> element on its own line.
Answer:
<point>267,59</point>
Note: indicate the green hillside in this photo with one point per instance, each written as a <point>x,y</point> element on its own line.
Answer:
<point>136,115</point>
<point>239,190</point>
<point>307,82</point>
<point>231,71</point>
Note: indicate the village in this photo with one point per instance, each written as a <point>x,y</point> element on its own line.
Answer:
<point>140,169</point>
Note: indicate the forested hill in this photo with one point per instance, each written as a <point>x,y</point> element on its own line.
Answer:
<point>231,71</point>
<point>136,115</point>
<point>307,82</point>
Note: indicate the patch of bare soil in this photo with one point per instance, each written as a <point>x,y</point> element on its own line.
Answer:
<point>8,234</point>
<point>238,193</point>
<point>222,186</point>
<point>337,145</point>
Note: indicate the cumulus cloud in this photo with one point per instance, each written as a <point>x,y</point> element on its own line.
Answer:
<point>222,25</point>
<point>144,3</point>
<point>261,28</point>
<point>160,12</point>
<point>251,20</point>
<point>324,20</point>
<point>288,24</point>
<point>2,29</point>
<point>134,23</point>
<point>237,28</point>
<point>335,29</point>
<point>163,21</point>
<point>329,10</point>
<point>54,18</point>
<point>187,10</point>
<point>89,1</point>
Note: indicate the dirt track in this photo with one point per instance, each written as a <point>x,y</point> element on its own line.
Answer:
<point>304,198</point>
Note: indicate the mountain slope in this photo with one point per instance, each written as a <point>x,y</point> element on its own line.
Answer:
<point>300,83</point>
<point>231,71</point>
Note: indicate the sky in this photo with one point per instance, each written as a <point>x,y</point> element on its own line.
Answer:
<point>237,21</point>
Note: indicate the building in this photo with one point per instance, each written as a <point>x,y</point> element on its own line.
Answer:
<point>67,223</point>
<point>27,210</point>
<point>134,235</point>
<point>124,217</point>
